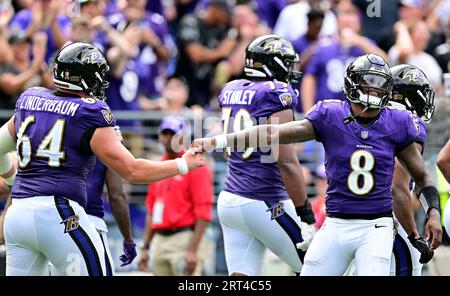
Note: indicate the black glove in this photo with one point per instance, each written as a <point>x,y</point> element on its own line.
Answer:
<point>306,213</point>
<point>423,247</point>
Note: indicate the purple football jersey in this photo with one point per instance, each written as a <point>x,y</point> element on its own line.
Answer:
<point>54,155</point>
<point>422,138</point>
<point>95,184</point>
<point>359,160</point>
<point>253,173</point>
<point>328,66</point>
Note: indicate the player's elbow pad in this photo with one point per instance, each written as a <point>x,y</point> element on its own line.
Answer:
<point>429,198</point>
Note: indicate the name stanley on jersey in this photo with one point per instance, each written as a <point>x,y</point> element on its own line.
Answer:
<point>238,97</point>
<point>35,103</point>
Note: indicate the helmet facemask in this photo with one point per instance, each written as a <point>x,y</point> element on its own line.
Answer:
<point>419,100</point>
<point>370,88</point>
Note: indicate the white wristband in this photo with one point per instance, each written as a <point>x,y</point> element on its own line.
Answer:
<point>183,167</point>
<point>221,141</point>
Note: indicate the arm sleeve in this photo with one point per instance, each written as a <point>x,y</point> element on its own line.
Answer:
<point>201,192</point>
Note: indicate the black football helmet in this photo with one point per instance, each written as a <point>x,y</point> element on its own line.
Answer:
<point>81,66</point>
<point>368,81</point>
<point>272,57</point>
<point>413,90</point>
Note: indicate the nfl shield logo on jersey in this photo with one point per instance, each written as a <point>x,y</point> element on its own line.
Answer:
<point>277,210</point>
<point>364,134</point>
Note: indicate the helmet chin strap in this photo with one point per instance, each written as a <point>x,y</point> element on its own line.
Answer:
<point>351,118</point>
<point>370,100</point>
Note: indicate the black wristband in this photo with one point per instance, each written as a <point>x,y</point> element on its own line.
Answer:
<point>429,198</point>
<point>305,213</point>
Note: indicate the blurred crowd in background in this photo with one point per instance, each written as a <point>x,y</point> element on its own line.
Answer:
<point>174,56</point>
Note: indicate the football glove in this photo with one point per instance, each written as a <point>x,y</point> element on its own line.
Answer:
<point>423,247</point>
<point>306,215</point>
<point>129,249</point>
<point>308,232</point>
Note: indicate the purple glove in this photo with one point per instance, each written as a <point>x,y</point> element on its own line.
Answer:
<point>129,249</point>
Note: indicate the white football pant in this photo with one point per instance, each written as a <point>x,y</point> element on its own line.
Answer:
<point>45,228</point>
<point>249,226</point>
<point>339,241</point>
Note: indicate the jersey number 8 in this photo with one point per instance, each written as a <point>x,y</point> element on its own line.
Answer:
<point>363,171</point>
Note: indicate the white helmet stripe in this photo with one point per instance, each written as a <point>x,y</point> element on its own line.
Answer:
<point>279,62</point>
<point>66,85</point>
<point>268,72</point>
<point>254,73</point>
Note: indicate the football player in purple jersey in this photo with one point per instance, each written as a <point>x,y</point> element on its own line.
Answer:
<point>57,134</point>
<point>361,137</point>
<point>263,203</point>
<point>414,92</point>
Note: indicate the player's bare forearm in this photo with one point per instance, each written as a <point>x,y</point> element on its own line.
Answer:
<point>412,160</point>
<point>272,134</point>
<point>402,199</point>
<point>443,161</point>
<point>113,154</point>
<point>292,175</point>
<point>119,204</point>
<point>199,230</point>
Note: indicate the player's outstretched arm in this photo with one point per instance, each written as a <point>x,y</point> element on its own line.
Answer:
<point>443,161</point>
<point>412,160</point>
<point>260,136</point>
<point>113,154</point>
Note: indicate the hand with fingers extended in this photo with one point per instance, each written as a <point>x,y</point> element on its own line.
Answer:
<point>129,253</point>
<point>433,229</point>
<point>143,260</point>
